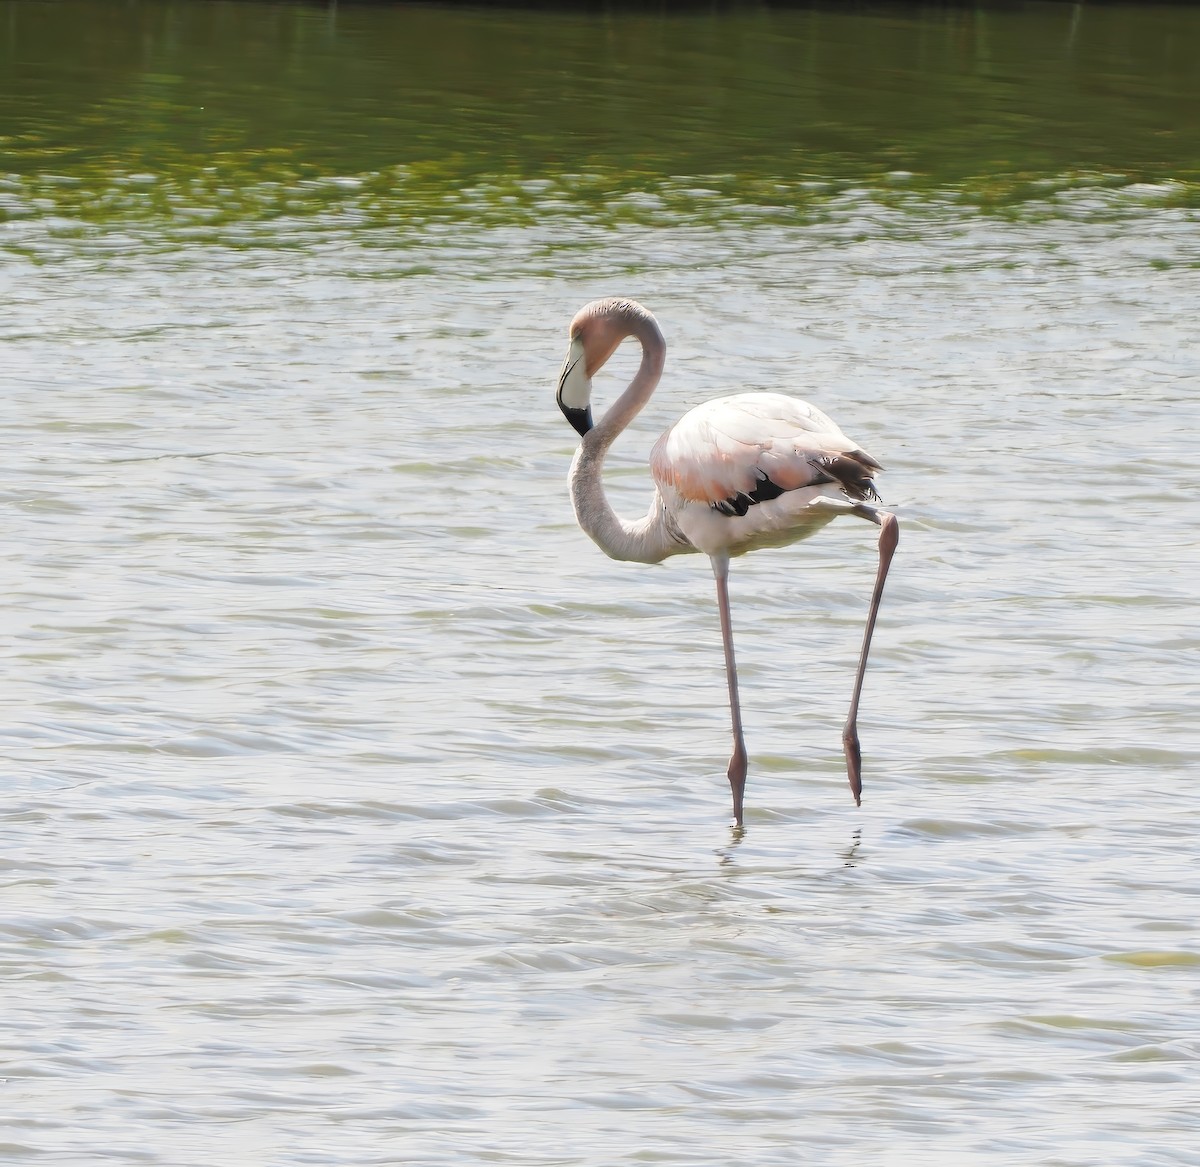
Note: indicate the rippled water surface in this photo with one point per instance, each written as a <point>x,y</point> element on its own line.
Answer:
<point>359,811</point>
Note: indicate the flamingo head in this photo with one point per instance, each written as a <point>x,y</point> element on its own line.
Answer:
<point>596,331</point>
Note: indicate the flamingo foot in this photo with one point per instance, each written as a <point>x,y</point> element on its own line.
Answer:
<point>737,781</point>
<point>853,753</point>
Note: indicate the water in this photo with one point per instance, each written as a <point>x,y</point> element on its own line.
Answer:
<point>359,811</point>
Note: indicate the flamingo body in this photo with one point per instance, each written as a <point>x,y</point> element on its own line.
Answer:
<point>749,471</point>
<point>731,475</point>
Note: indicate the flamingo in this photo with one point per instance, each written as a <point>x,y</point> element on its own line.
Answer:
<point>731,475</point>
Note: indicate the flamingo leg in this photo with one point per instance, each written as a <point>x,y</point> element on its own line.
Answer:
<point>889,537</point>
<point>737,761</point>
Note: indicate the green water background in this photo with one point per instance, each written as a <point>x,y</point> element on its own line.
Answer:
<point>231,112</point>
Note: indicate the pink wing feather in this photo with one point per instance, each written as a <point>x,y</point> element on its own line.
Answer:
<point>727,446</point>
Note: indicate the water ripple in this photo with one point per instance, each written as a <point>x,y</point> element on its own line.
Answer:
<point>360,812</point>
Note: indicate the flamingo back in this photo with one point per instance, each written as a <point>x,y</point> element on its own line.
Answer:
<point>753,447</point>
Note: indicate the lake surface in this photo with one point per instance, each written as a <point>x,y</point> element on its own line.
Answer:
<point>359,811</point>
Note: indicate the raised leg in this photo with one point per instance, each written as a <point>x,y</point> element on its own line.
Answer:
<point>889,537</point>
<point>737,762</point>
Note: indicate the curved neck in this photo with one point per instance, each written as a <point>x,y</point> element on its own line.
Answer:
<point>653,538</point>
<point>649,540</point>
<point>639,390</point>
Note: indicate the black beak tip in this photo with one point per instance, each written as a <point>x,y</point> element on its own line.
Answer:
<point>580,419</point>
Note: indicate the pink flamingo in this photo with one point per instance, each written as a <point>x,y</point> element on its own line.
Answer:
<point>732,475</point>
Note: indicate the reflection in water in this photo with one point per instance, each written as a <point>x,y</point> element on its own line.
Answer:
<point>408,116</point>
<point>725,855</point>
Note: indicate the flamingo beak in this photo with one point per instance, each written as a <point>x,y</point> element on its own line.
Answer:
<point>575,389</point>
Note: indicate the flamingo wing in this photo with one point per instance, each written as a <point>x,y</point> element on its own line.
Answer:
<point>737,451</point>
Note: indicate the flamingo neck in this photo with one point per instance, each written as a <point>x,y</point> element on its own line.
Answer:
<point>653,538</point>
<point>626,407</point>
<point>648,540</point>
